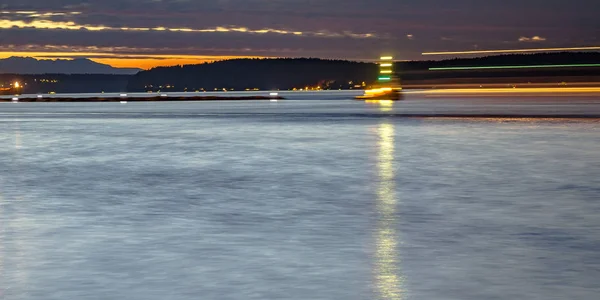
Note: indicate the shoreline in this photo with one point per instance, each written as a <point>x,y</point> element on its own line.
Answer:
<point>139,99</point>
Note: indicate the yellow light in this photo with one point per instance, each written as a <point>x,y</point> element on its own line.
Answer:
<point>386,58</point>
<point>17,85</point>
<point>386,65</point>
<point>512,50</point>
<point>386,72</point>
<point>377,91</point>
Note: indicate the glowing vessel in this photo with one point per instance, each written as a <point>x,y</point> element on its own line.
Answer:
<point>388,84</point>
<point>393,94</point>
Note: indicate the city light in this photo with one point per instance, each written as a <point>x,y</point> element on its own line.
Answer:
<point>515,67</point>
<point>386,58</point>
<point>513,50</point>
<point>385,78</point>
<point>386,65</point>
<point>17,85</point>
<point>386,72</point>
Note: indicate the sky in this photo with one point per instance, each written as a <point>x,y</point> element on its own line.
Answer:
<point>149,33</point>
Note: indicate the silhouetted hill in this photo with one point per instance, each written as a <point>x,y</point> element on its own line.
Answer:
<point>240,74</point>
<point>28,65</point>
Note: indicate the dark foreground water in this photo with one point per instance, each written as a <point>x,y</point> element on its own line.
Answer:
<point>294,200</point>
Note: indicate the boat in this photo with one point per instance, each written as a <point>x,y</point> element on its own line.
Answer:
<point>393,94</point>
<point>388,85</point>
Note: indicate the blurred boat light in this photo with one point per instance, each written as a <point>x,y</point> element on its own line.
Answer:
<point>515,67</point>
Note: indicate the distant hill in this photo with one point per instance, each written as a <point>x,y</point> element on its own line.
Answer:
<point>241,74</point>
<point>286,73</point>
<point>28,65</point>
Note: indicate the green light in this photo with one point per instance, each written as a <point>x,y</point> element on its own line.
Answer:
<point>385,78</point>
<point>514,67</point>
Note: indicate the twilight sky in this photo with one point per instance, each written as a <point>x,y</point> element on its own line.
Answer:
<point>146,33</point>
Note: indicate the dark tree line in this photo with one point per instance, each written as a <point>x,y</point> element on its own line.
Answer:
<point>241,74</point>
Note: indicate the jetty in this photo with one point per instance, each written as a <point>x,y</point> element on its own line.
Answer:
<point>153,98</point>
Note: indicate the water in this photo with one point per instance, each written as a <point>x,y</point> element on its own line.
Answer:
<point>294,200</point>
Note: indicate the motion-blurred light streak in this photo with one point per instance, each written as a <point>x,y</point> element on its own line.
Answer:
<point>515,67</point>
<point>508,90</point>
<point>513,50</point>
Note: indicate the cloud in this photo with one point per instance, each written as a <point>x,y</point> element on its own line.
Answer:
<point>40,22</point>
<point>534,38</point>
<point>202,43</point>
<point>69,51</point>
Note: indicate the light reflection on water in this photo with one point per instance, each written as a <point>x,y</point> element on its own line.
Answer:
<point>388,280</point>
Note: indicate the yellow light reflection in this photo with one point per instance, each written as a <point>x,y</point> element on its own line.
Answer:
<point>386,65</point>
<point>386,267</point>
<point>385,105</point>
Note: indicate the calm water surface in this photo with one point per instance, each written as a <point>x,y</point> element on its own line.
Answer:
<point>294,200</point>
